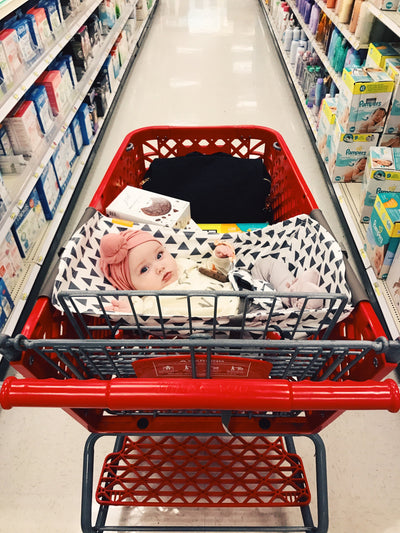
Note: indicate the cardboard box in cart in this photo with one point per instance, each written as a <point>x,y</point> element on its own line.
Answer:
<point>143,206</point>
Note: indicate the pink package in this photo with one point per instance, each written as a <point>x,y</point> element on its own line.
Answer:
<point>52,81</point>
<point>9,42</point>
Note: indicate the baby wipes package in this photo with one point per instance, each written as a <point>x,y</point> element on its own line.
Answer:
<point>139,205</point>
<point>348,153</point>
<point>383,232</point>
<point>365,99</point>
<point>382,174</point>
<point>326,128</point>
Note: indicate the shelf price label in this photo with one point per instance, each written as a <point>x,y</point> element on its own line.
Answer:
<point>377,289</point>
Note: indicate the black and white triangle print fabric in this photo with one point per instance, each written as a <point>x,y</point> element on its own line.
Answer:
<point>300,242</point>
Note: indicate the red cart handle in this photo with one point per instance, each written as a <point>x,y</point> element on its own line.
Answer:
<point>200,394</point>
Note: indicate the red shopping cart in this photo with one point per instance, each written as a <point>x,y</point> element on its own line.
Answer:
<point>203,419</point>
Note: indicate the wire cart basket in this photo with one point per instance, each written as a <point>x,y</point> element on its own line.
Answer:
<point>209,416</point>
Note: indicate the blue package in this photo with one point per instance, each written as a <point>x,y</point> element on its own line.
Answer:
<point>49,191</point>
<point>76,135</point>
<point>61,165</point>
<point>71,67</point>
<point>28,223</point>
<point>61,65</point>
<point>83,115</point>
<point>6,303</point>
<point>108,71</point>
<point>69,147</point>
<point>38,95</point>
<point>33,28</point>
<point>29,51</point>
<point>52,14</point>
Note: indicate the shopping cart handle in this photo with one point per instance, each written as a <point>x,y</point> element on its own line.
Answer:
<point>200,394</point>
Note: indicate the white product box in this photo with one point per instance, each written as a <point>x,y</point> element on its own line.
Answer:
<point>23,129</point>
<point>392,125</point>
<point>29,223</point>
<point>9,43</point>
<point>379,52</point>
<point>138,205</point>
<point>11,263</point>
<point>348,153</point>
<point>365,99</point>
<point>382,174</point>
<point>393,279</point>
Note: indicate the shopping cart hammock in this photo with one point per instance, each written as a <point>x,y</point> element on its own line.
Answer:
<point>300,243</point>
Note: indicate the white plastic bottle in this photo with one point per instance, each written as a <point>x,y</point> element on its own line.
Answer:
<point>364,24</point>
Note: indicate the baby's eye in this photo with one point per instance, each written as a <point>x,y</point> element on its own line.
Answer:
<point>159,255</point>
<point>144,269</point>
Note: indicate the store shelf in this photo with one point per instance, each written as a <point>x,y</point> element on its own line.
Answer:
<point>391,19</point>
<point>37,255</point>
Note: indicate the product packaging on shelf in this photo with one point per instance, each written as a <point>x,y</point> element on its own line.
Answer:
<point>69,147</point>
<point>378,53</point>
<point>29,223</point>
<point>107,15</point>
<point>108,70</point>
<point>68,7</point>
<point>76,135</point>
<point>90,100</point>
<point>123,48</point>
<point>326,128</point>
<point>83,115</point>
<point>115,61</point>
<point>67,86</point>
<point>58,96</point>
<point>12,52</point>
<point>386,5</point>
<point>11,264</point>
<point>6,303</point>
<point>61,165</point>
<point>49,191</point>
<point>5,200</point>
<point>42,24</point>
<point>365,99</point>
<point>29,50</point>
<point>141,9</point>
<point>94,30</point>
<point>382,174</point>
<point>53,14</point>
<point>38,95</point>
<point>393,280</point>
<point>392,125</point>
<point>143,206</point>
<point>383,232</point>
<point>81,50</point>
<point>23,129</point>
<point>5,143</point>
<point>348,155</point>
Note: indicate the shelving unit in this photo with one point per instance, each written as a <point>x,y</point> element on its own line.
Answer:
<point>347,196</point>
<point>20,187</point>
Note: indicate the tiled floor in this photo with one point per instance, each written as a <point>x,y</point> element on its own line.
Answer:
<point>204,62</point>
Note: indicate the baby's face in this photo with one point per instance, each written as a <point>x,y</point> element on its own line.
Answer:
<point>152,267</point>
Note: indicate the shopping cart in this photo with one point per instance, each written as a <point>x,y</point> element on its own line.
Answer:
<point>205,419</point>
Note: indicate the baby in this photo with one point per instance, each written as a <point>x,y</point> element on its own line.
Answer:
<point>375,121</point>
<point>136,260</point>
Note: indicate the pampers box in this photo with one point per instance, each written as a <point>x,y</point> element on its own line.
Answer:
<point>382,174</point>
<point>383,232</point>
<point>365,99</point>
<point>326,128</point>
<point>29,223</point>
<point>148,207</point>
<point>392,125</point>
<point>348,155</point>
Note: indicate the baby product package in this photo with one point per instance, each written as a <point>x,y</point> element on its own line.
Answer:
<point>393,280</point>
<point>61,165</point>
<point>365,99</point>
<point>23,128</point>
<point>348,153</point>
<point>382,174</point>
<point>11,50</point>
<point>6,303</point>
<point>383,232</point>
<point>53,14</point>
<point>392,125</point>
<point>38,95</point>
<point>326,128</point>
<point>11,263</point>
<point>49,191</point>
<point>85,124</point>
<point>29,50</point>
<point>139,205</point>
<point>29,223</point>
<point>76,135</point>
<point>378,53</point>
<point>53,82</point>
<point>42,24</point>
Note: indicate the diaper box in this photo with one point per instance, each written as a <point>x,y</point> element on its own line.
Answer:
<point>382,174</point>
<point>23,128</point>
<point>143,206</point>
<point>378,53</point>
<point>383,232</point>
<point>393,280</point>
<point>49,191</point>
<point>11,263</point>
<point>28,223</point>
<point>392,125</point>
<point>365,99</point>
<point>326,127</point>
<point>38,95</point>
<point>348,153</point>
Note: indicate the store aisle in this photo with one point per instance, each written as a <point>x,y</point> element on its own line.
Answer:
<point>205,62</point>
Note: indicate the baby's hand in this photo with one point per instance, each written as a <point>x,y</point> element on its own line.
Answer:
<point>119,306</point>
<point>223,250</point>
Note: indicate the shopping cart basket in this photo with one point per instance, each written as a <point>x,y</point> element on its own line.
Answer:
<point>220,400</point>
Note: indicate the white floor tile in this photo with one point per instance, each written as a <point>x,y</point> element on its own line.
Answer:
<point>204,62</point>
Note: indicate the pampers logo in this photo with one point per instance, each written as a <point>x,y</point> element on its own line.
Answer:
<point>358,153</point>
<point>378,232</point>
<point>369,103</point>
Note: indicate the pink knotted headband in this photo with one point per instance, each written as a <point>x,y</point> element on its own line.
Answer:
<point>114,255</point>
